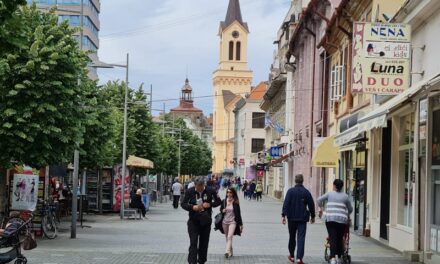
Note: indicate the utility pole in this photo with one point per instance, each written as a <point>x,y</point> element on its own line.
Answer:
<point>74,194</point>
<point>76,153</point>
<point>124,143</point>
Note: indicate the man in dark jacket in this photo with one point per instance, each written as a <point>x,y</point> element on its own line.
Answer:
<point>299,208</point>
<point>198,201</point>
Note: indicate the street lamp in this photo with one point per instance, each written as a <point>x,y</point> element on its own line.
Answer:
<point>124,139</point>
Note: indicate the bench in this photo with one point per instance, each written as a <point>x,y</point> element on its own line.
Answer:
<point>133,212</point>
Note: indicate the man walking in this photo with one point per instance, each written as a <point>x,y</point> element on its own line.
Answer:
<point>177,190</point>
<point>198,201</point>
<point>299,208</point>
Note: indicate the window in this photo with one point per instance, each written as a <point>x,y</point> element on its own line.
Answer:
<point>231,50</point>
<point>405,181</point>
<point>257,145</point>
<point>337,82</point>
<point>238,51</point>
<point>258,120</point>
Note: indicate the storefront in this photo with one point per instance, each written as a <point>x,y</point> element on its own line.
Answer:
<point>405,132</point>
<point>352,142</point>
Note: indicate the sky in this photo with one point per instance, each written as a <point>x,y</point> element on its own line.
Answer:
<point>170,39</point>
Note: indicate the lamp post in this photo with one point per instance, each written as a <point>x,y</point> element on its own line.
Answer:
<point>124,139</point>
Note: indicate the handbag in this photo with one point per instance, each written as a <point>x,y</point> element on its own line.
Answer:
<point>29,242</point>
<point>219,219</point>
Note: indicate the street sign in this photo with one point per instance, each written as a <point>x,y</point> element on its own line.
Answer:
<point>275,152</point>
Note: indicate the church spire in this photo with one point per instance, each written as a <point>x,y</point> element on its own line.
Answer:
<point>234,14</point>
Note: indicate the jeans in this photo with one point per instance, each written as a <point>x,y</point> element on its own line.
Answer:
<point>229,230</point>
<point>259,196</point>
<point>336,233</point>
<point>176,199</point>
<point>199,242</point>
<point>297,236</point>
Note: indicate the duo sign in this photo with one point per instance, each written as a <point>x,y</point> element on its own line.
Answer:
<point>381,58</point>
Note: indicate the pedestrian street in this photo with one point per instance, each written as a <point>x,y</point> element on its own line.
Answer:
<point>163,238</point>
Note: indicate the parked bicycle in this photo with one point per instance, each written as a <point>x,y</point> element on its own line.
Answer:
<point>49,219</point>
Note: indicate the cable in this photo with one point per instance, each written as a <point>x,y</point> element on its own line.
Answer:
<point>169,24</point>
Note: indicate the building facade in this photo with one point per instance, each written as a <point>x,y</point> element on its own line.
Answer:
<point>231,81</point>
<point>386,145</point>
<point>71,10</point>
<point>249,133</point>
<point>192,116</point>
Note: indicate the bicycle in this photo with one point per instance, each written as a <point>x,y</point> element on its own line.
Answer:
<point>49,221</point>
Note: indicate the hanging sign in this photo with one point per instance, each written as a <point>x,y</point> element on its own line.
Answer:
<point>381,58</point>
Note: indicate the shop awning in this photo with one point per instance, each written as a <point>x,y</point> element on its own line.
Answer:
<point>347,136</point>
<point>137,162</point>
<point>325,154</point>
<point>378,117</point>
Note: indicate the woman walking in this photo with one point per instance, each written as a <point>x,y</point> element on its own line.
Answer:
<point>337,217</point>
<point>232,222</point>
<point>259,191</point>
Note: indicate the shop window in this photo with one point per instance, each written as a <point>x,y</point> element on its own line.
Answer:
<point>406,170</point>
<point>257,145</point>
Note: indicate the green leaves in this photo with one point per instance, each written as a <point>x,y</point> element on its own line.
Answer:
<point>40,64</point>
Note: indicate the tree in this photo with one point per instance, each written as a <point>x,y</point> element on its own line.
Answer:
<point>42,113</point>
<point>98,148</point>
<point>8,7</point>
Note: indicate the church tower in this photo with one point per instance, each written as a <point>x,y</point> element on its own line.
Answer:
<point>231,81</point>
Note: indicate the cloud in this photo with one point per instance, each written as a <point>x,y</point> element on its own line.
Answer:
<point>168,38</point>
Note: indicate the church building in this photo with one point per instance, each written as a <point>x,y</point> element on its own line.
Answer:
<point>231,81</point>
<point>193,116</point>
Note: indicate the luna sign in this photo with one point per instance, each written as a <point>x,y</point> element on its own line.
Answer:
<point>381,58</point>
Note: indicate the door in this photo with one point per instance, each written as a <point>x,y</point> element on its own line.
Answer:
<point>385,181</point>
<point>359,200</point>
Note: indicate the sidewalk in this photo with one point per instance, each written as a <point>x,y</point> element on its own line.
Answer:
<point>163,238</point>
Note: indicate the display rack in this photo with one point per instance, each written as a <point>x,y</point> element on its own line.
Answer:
<point>106,183</point>
<point>92,190</point>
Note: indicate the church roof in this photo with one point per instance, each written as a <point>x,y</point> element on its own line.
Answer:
<point>228,96</point>
<point>233,14</point>
<point>186,86</point>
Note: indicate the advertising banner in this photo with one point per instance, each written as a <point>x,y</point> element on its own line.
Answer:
<point>25,193</point>
<point>381,58</point>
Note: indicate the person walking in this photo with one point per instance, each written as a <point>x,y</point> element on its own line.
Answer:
<point>337,217</point>
<point>177,191</point>
<point>232,223</point>
<point>259,191</point>
<point>299,208</point>
<point>252,188</point>
<point>199,201</point>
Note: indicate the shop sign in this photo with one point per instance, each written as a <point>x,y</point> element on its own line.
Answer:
<point>152,178</point>
<point>275,152</point>
<point>381,58</point>
<point>260,173</point>
<point>241,161</point>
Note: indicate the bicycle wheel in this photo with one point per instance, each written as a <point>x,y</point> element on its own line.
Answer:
<point>49,226</point>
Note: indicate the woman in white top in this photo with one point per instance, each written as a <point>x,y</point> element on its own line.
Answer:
<point>232,222</point>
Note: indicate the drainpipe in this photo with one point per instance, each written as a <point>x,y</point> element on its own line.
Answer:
<point>313,102</point>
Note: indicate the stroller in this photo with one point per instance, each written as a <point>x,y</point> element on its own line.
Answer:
<point>346,258</point>
<point>13,238</point>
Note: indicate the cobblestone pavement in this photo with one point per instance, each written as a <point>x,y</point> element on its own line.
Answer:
<point>162,238</point>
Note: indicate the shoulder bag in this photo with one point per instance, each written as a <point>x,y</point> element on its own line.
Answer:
<point>219,219</point>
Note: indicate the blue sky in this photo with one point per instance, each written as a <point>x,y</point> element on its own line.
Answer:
<point>167,38</point>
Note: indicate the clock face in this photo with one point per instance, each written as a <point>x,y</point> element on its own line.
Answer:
<point>235,34</point>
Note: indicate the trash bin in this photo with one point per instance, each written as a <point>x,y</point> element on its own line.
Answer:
<point>146,201</point>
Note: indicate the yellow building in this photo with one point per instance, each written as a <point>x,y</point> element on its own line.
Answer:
<point>231,80</point>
